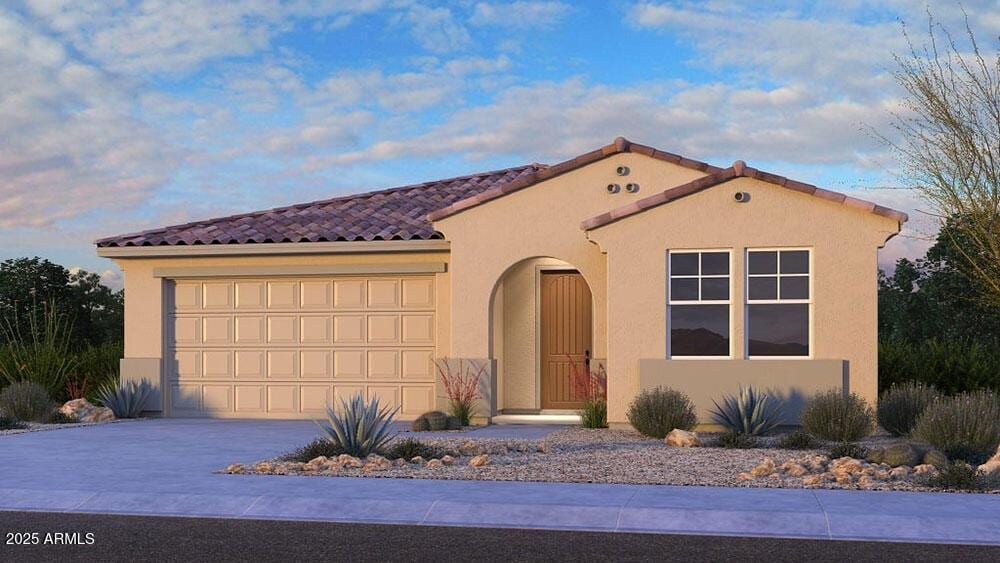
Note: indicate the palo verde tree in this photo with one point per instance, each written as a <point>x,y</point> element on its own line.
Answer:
<point>947,137</point>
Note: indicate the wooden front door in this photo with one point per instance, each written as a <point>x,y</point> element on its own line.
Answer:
<point>565,330</point>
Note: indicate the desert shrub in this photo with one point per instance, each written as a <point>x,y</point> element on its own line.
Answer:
<point>848,449</point>
<point>964,426</point>
<point>751,412</point>
<point>8,422</point>
<point>125,399</point>
<point>97,365</point>
<point>951,366</point>
<point>58,417</point>
<point>26,400</point>
<point>312,450</point>
<point>461,380</point>
<point>901,406</point>
<point>592,387</point>
<point>655,412</point>
<point>836,417</point>
<point>797,440</point>
<point>360,428</point>
<point>962,476</point>
<point>410,448</point>
<point>732,439</point>
<point>594,414</point>
<point>40,354</point>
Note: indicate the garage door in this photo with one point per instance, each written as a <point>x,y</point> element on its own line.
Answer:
<point>283,348</point>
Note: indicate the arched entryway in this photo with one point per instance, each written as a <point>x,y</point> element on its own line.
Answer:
<point>542,329</point>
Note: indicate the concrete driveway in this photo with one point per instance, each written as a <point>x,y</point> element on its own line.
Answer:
<point>165,467</point>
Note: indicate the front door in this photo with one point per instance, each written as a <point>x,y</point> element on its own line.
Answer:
<point>565,337</point>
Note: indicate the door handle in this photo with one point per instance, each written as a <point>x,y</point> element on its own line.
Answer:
<point>586,358</point>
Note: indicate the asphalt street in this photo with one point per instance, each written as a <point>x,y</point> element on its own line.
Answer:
<point>158,538</point>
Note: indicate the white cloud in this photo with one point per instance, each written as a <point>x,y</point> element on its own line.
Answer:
<point>520,14</point>
<point>436,29</point>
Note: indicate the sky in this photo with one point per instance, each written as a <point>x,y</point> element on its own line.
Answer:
<point>122,115</point>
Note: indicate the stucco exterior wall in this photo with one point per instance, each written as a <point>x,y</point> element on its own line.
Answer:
<point>540,221</point>
<point>844,242</point>
<point>146,300</point>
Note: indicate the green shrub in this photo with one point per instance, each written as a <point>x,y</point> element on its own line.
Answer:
<point>848,449</point>
<point>655,412</point>
<point>964,477</point>
<point>836,417</point>
<point>797,440</point>
<point>750,412</point>
<point>410,448</point>
<point>594,414</point>
<point>99,364</point>
<point>312,450</point>
<point>125,399</point>
<point>731,439</point>
<point>8,422</point>
<point>26,400</point>
<point>901,406</point>
<point>361,428</point>
<point>951,366</point>
<point>43,355</point>
<point>454,423</point>
<point>57,417</point>
<point>965,426</point>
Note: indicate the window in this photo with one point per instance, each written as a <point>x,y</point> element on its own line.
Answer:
<point>779,302</point>
<point>698,304</point>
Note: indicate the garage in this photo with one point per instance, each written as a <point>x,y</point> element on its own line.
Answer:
<point>283,347</point>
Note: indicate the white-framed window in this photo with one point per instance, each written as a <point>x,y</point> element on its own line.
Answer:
<point>699,292</point>
<point>779,301</point>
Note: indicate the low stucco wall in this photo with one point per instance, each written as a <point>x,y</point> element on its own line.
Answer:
<point>792,381</point>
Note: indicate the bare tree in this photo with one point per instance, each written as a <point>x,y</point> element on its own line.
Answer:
<point>948,140</point>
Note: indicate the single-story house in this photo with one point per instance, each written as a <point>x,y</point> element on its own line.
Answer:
<point>667,270</point>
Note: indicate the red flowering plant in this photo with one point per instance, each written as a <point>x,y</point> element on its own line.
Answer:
<point>591,386</point>
<point>461,380</point>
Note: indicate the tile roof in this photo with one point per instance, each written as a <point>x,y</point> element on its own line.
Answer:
<point>739,169</point>
<point>392,214</point>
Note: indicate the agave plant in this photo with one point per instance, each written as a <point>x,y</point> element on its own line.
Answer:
<point>751,412</point>
<point>125,399</point>
<point>360,428</point>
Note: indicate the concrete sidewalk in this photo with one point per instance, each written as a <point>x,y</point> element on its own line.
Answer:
<point>164,467</point>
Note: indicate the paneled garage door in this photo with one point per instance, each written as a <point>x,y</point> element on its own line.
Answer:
<point>283,348</point>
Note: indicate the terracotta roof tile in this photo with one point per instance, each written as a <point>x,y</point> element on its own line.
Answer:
<point>392,214</point>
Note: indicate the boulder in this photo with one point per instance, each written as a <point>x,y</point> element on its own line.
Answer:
<point>793,468</point>
<point>400,462</point>
<point>417,459</point>
<point>992,465</point>
<point>434,463</point>
<point>235,468</point>
<point>682,438</point>
<point>901,472</point>
<point>744,476</point>
<point>447,460</point>
<point>901,454</point>
<point>480,460</point>
<point>84,411</point>
<point>925,468</point>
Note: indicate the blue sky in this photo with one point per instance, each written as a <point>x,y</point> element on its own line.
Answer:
<point>124,115</point>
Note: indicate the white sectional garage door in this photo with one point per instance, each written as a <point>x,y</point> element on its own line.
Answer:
<point>284,347</point>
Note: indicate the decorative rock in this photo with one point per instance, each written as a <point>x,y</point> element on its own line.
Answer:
<point>82,410</point>
<point>375,463</point>
<point>263,467</point>
<point>480,460</point>
<point>845,478</point>
<point>794,469</point>
<point>400,462</point>
<point>744,476</point>
<point>900,472</point>
<point>813,480</point>
<point>236,468</point>
<point>925,468</point>
<point>766,467</point>
<point>417,459</point>
<point>935,458</point>
<point>682,438</point>
<point>447,460</point>
<point>434,463</point>
<point>992,465</point>
<point>865,481</point>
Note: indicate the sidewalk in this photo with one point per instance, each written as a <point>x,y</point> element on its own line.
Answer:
<point>164,467</point>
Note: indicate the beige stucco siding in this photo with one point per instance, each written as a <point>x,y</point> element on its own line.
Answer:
<point>540,221</point>
<point>844,242</point>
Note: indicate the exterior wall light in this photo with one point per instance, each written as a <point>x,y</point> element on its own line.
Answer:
<point>622,170</point>
<point>632,188</point>
<point>614,188</point>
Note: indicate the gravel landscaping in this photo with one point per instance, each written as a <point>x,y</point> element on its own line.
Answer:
<point>38,427</point>
<point>611,456</point>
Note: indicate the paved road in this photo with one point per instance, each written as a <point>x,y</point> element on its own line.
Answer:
<point>157,538</point>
